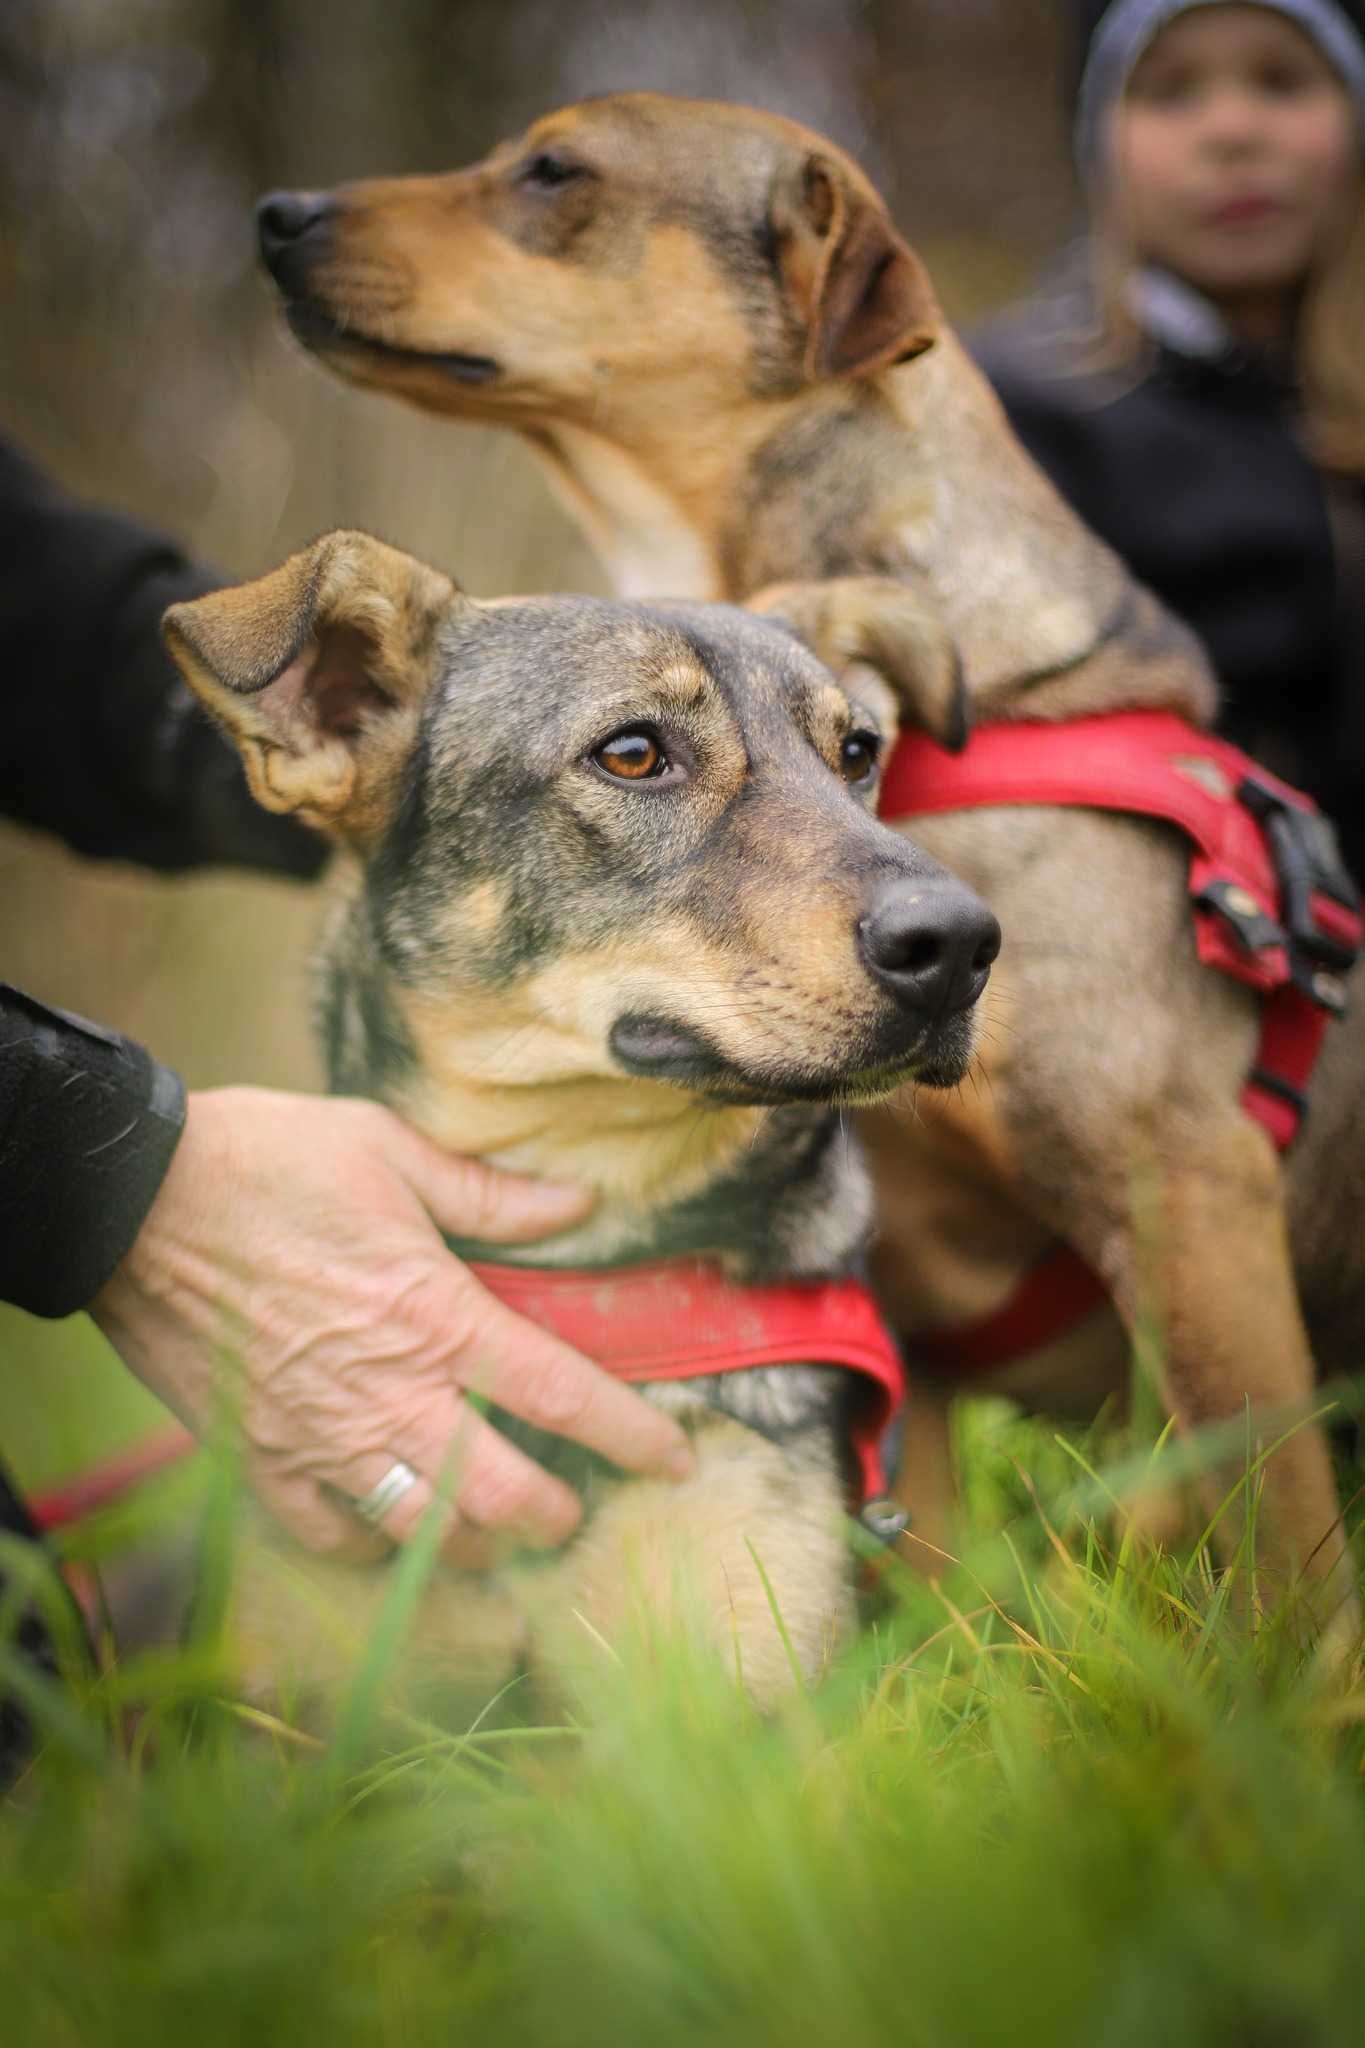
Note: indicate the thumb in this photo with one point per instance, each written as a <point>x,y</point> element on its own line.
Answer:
<point>467,1198</point>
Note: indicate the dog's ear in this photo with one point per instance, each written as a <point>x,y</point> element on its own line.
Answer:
<point>861,294</point>
<point>886,624</point>
<point>318,672</point>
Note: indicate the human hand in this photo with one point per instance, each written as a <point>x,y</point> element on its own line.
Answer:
<point>298,1238</point>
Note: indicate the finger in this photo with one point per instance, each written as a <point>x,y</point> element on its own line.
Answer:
<point>318,1520</point>
<point>323,1518</point>
<point>494,1488</point>
<point>541,1381</point>
<point>502,1491</point>
<point>469,1199</point>
<point>461,1542</point>
<point>407,1493</point>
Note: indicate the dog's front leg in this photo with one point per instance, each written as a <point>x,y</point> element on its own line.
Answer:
<point>745,1561</point>
<point>888,625</point>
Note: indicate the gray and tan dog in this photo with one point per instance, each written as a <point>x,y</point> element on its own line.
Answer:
<point>618,909</point>
<point>703,321</point>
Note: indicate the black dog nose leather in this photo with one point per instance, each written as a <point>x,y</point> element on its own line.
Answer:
<point>931,943</point>
<point>284,218</point>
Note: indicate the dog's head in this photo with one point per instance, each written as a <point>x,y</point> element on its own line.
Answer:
<point>612,246</point>
<point>598,840</point>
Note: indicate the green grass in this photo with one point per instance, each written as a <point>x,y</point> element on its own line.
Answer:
<point>1068,1797</point>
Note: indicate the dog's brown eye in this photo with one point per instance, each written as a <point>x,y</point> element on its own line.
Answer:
<point>858,756</point>
<point>545,172</point>
<point>631,756</point>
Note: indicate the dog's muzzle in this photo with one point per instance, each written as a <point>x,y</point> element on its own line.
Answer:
<point>297,235</point>
<point>928,944</point>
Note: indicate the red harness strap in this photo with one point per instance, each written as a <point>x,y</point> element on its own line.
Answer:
<point>108,1481</point>
<point>1052,1297</point>
<point>682,1320</point>
<point>662,1321</point>
<point>1271,907</point>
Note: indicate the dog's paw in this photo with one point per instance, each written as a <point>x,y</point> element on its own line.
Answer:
<point>885,624</point>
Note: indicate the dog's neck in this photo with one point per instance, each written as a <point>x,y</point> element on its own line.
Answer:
<point>916,473</point>
<point>637,525</point>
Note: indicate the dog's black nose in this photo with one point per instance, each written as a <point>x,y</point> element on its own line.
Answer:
<point>931,943</point>
<point>285,219</point>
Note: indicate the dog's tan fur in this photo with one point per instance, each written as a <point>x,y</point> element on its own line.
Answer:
<point>715,339</point>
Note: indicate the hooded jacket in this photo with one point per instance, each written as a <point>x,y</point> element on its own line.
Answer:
<point>104,746</point>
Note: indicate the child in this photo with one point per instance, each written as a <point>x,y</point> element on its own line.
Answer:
<point>1199,395</point>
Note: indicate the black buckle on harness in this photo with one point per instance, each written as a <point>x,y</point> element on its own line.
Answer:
<point>1303,848</point>
<point>1254,928</point>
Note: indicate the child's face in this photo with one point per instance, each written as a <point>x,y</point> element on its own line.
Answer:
<point>1236,151</point>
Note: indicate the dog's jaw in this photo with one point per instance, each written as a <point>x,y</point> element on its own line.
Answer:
<point>341,345</point>
<point>639,1146</point>
<point>657,1048</point>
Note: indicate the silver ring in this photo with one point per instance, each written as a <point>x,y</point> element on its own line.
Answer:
<point>380,1501</point>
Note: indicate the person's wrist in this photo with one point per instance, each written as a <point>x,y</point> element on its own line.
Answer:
<point>177,1196</point>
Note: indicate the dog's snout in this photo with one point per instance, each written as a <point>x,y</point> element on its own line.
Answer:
<point>930,943</point>
<point>285,221</point>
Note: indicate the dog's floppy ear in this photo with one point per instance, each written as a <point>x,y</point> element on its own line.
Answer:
<point>861,294</point>
<point>318,672</point>
<point>884,623</point>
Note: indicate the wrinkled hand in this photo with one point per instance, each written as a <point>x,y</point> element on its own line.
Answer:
<point>295,1244</point>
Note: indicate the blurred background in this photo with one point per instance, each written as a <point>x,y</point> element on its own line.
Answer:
<point>142,361</point>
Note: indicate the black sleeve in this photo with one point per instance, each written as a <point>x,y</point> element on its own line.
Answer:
<point>102,742</point>
<point>88,1123</point>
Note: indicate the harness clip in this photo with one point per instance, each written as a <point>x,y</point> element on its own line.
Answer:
<point>1303,849</point>
<point>885,1519</point>
<point>1253,928</point>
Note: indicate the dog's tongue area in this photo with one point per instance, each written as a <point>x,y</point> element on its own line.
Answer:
<point>657,1046</point>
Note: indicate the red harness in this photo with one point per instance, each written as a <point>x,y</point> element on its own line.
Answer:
<point>662,1321</point>
<point>1272,908</point>
<point>682,1320</point>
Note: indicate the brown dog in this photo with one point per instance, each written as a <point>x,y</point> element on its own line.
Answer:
<point>703,321</point>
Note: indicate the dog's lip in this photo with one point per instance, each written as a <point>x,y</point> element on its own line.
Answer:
<point>661,1049</point>
<point>318,329</point>
<point>650,1045</point>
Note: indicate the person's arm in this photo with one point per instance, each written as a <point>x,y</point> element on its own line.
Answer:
<point>88,1125</point>
<point>103,743</point>
<point>300,1238</point>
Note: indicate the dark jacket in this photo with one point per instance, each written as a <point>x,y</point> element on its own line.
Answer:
<point>1192,469</point>
<point>103,745</point>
